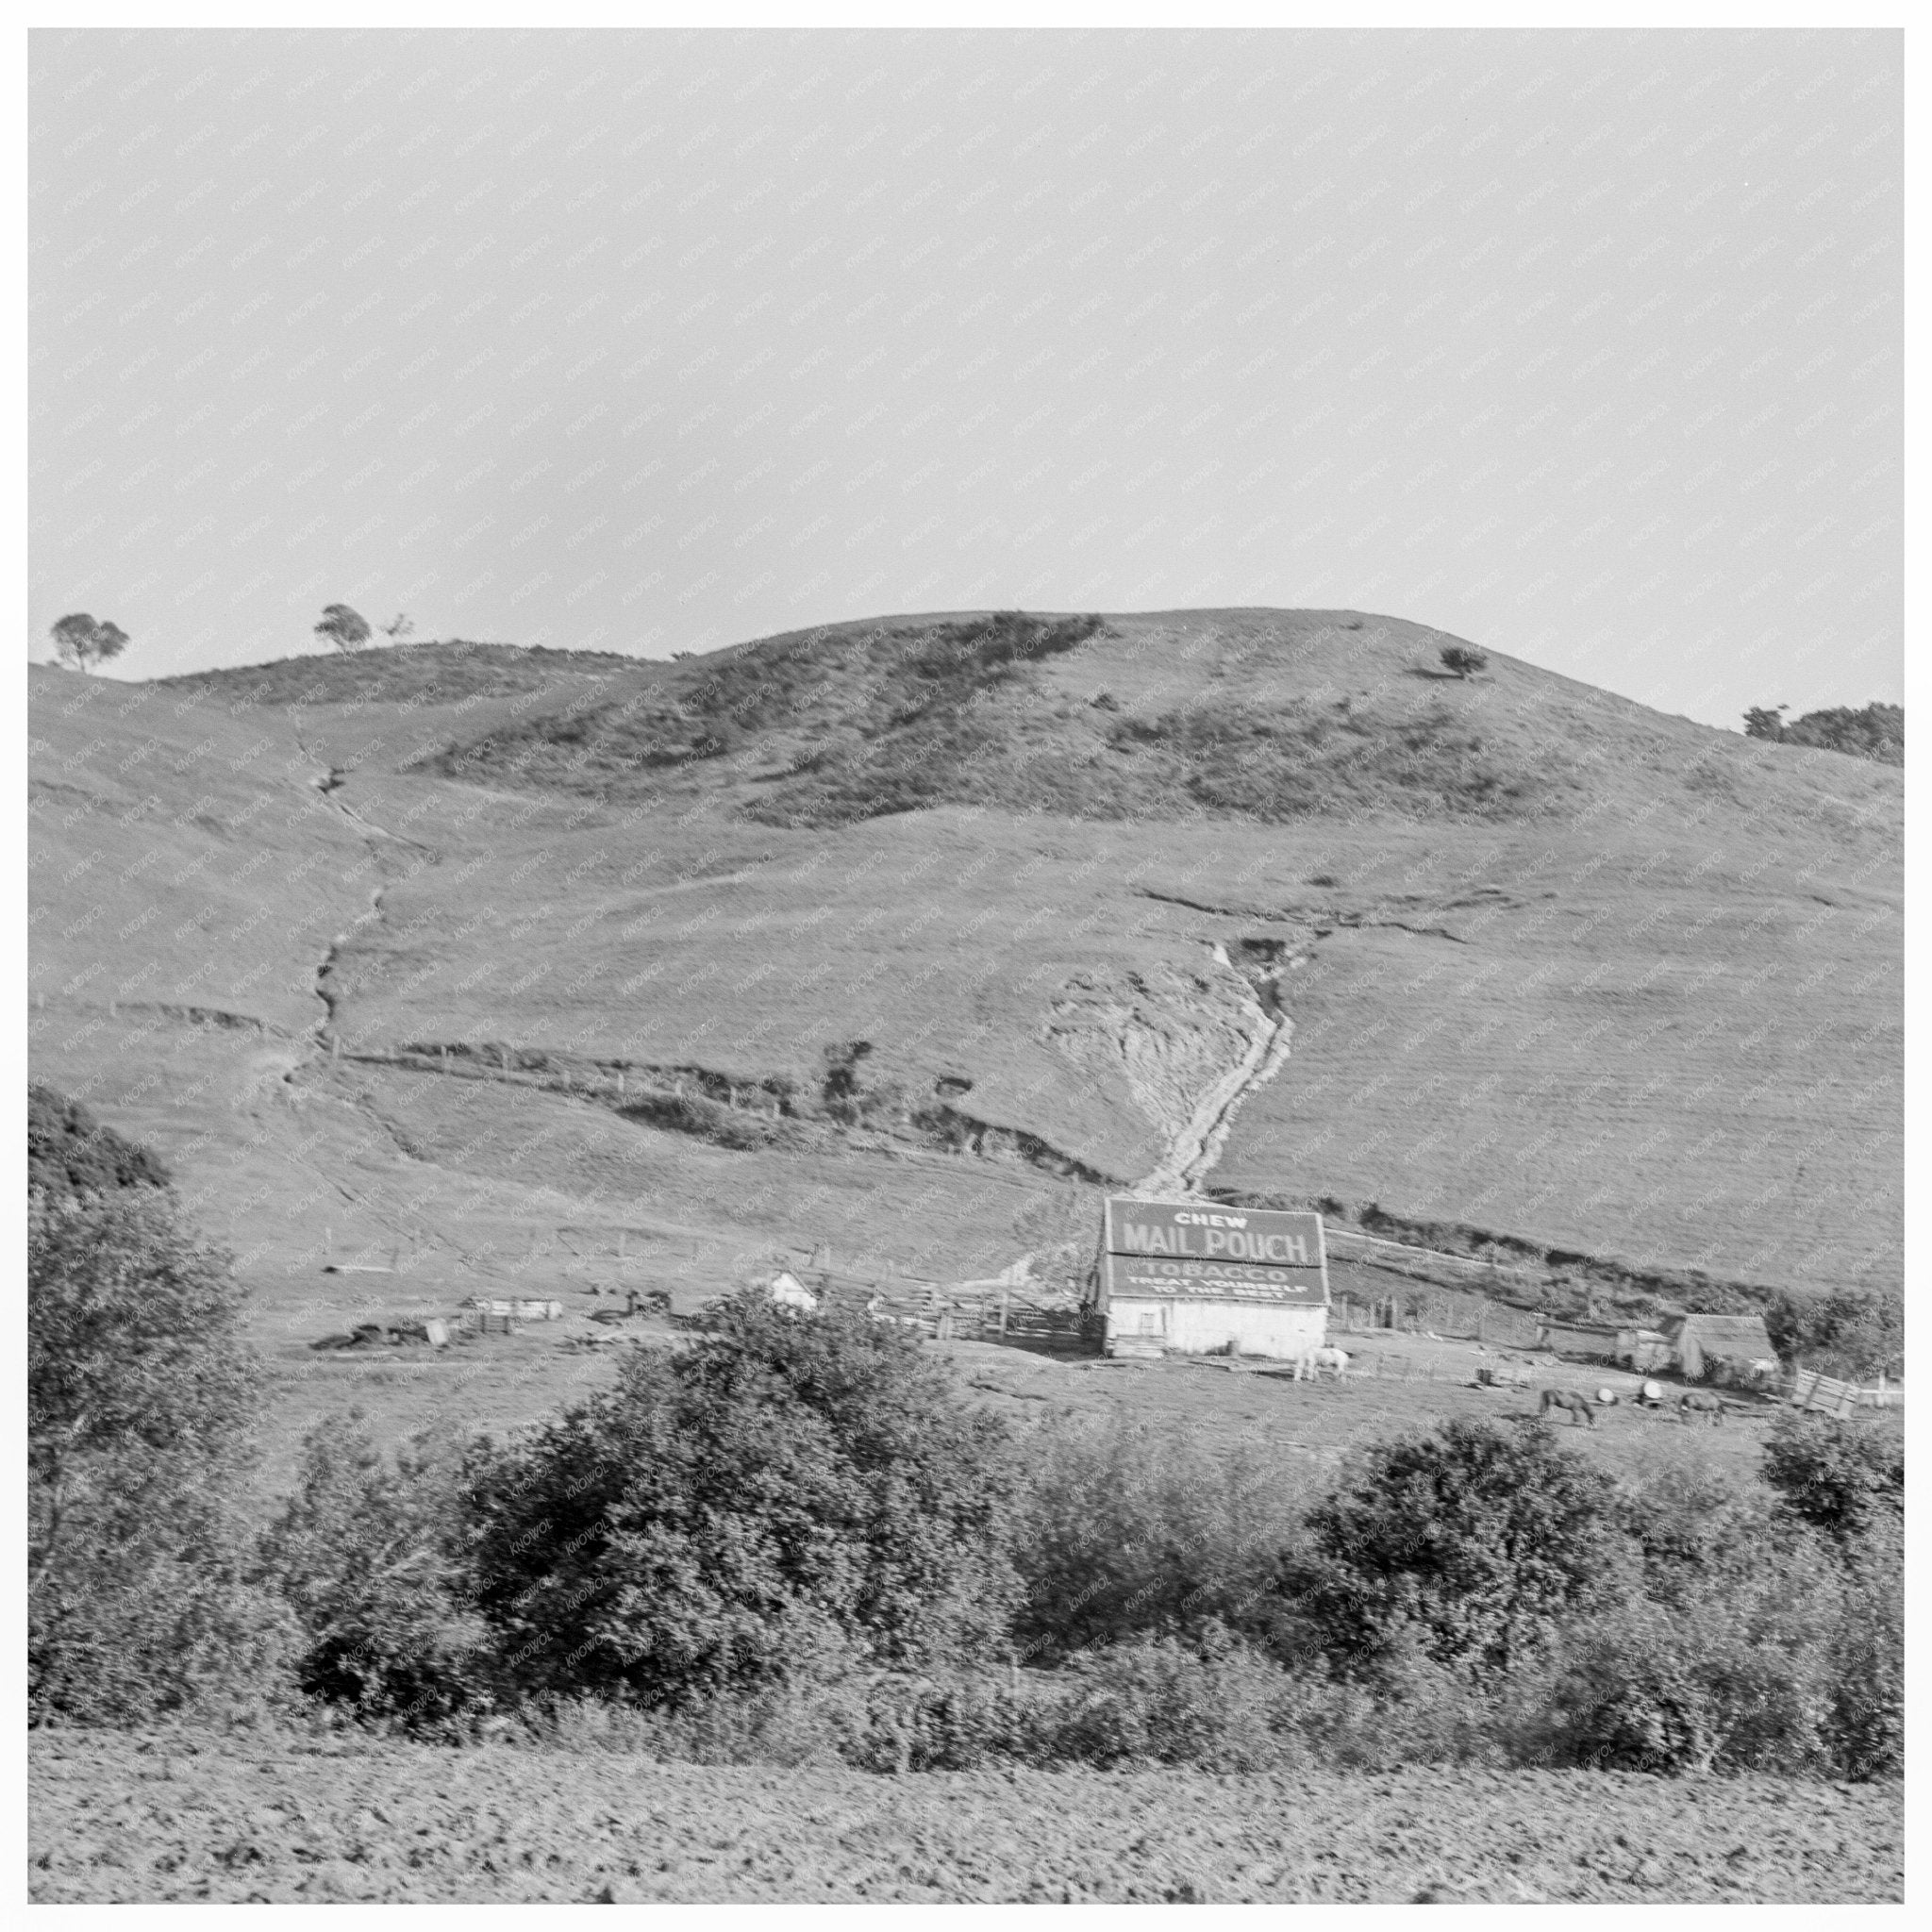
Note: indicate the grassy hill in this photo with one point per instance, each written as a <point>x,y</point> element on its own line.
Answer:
<point>909,935</point>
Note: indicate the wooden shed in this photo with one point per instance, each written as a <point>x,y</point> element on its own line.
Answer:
<point>1594,1341</point>
<point>1699,1342</point>
<point>1644,1349</point>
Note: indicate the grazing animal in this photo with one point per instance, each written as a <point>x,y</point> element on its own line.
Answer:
<point>1700,1402</point>
<point>1577,1406</point>
<point>1334,1359</point>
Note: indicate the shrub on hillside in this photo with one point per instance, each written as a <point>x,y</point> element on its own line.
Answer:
<point>1653,1690</point>
<point>789,1493</point>
<point>141,1401</point>
<point>1474,1541</point>
<point>1792,1664</point>
<point>1846,1332</point>
<point>69,1152</point>
<point>1865,1663</point>
<point>715,1121</point>
<point>1465,660</point>
<point>366,1552</point>
<point>1847,1479</point>
<point>1127,1529</point>
<point>1300,760</point>
<point>1876,731</point>
<point>1754,1643</point>
<point>1699,1530</point>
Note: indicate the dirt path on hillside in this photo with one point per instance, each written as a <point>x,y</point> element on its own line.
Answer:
<point>1190,1046</point>
<point>329,784</point>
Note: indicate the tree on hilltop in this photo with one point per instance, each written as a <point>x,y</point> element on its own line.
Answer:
<point>83,642</point>
<point>1876,732</point>
<point>346,629</point>
<point>400,628</point>
<point>1465,659</point>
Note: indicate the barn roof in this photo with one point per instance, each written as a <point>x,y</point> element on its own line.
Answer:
<point>1713,1332</point>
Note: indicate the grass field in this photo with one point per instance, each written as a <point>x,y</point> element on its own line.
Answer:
<point>1648,1007</point>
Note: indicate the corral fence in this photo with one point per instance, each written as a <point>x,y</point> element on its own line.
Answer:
<point>963,1311</point>
<point>1440,1311</point>
<point>1828,1395</point>
<point>1490,1276</point>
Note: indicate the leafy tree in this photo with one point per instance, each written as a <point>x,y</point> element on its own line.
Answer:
<point>400,628</point>
<point>1737,1677</point>
<point>1127,1529</point>
<point>83,644</point>
<point>1701,1532</point>
<point>69,1152</point>
<point>1471,1542</point>
<point>1876,731</point>
<point>1844,1478</point>
<point>792,1492</point>
<point>364,1551</point>
<point>140,1404</point>
<point>1845,1332</point>
<point>1465,659</point>
<point>346,629</point>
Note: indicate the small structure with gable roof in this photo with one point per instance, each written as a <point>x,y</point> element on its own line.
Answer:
<point>1698,1342</point>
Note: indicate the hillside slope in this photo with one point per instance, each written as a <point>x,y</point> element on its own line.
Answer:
<point>907,936</point>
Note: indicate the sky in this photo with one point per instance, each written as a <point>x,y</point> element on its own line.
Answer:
<point>1585,346</point>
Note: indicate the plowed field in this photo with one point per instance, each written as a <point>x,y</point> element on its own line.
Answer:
<point>122,1819</point>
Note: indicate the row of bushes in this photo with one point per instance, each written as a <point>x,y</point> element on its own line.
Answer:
<point>796,1537</point>
<point>1873,731</point>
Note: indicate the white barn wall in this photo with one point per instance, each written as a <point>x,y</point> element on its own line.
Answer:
<point>1198,1326</point>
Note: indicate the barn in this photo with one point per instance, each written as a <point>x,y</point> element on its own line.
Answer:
<point>1699,1342</point>
<point>1200,1277</point>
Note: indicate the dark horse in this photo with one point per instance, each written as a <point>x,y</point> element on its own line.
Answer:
<point>1578,1405</point>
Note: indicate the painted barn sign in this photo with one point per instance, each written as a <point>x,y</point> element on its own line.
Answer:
<point>1201,1250</point>
<point>1199,1278</point>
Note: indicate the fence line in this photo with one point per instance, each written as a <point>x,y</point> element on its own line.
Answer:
<point>1831,1396</point>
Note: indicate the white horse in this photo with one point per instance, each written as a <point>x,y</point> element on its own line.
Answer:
<point>1311,1361</point>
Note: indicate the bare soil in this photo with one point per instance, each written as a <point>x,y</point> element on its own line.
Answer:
<point>117,1819</point>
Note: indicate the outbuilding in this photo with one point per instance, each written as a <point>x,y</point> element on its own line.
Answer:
<point>1643,1349</point>
<point>1699,1342</point>
<point>1200,1277</point>
<point>787,1292</point>
<point>1594,1341</point>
